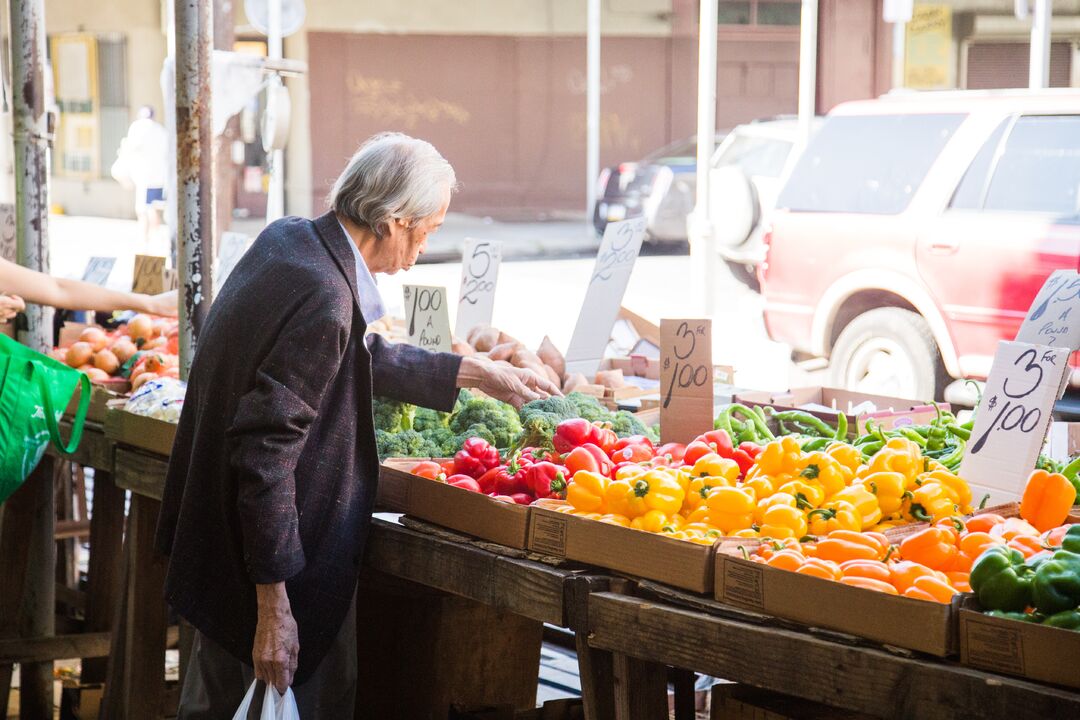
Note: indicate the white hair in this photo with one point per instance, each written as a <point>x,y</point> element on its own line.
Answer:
<point>392,177</point>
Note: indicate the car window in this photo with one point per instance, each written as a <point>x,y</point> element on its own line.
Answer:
<point>757,156</point>
<point>1039,170</point>
<point>971,190</point>
<point>867,164</point>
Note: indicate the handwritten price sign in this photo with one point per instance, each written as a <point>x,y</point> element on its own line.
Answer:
<point>614,263</point>
<point>1054,317</point>
<point>98,270</point>
<point>427,318</point>
<point>149,276</point>
<point>1013,416</point>
<point>686,379</point>
<point>479,273</point>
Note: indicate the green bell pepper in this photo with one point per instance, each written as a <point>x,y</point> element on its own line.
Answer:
<point>1057,583</point>
<point>1001,581</point>
<point>1071,541</point>
<point>1019,616</point>
<point>1067,620</point>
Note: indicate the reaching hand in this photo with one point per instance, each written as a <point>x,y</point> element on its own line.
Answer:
<point>165,304</point>
<point>277,643</point>
<point>10,306</point>
<point>513,385</point>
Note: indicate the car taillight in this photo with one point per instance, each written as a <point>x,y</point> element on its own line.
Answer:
<point>763,267</point>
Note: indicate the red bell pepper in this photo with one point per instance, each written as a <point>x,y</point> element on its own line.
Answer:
<point>606,439</point>
<point>464,482</point>
<point>636,453</point>
<point>476,457</point>
<point>504,479</point>
<point>744,460</point>
<point>588,457</point>
<point>751,449</point>
<point>428,469</point>
<point>635,440</point>
<point>720,442</point>
<point>676,451</point>
<point>695,451</point>
<point>547,480</point>
<point>522,498</point>
<point>573,433</point>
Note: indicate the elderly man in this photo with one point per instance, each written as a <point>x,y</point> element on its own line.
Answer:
<point>273,473</point>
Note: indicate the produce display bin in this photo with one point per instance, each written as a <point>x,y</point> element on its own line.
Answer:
<point>638,553</point>
<point>101,394</point>
<point>891,412</point>
<point>1013,647</point>
<point>462,510</point>
<point>139,431</point>
<point>921,625</point>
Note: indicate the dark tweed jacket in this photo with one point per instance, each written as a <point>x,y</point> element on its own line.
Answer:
<point>274,469</point>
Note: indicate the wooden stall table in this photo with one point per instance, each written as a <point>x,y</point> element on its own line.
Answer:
<point>445,619</point>
<point>670,629</point>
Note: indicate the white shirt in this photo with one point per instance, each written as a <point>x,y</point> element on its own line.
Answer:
<point>367,290</point>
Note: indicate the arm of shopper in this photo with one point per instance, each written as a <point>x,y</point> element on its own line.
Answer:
<point>10,306</point>
<point>271,426</point>
<point>44,289</point>
<point>277,642</point>
<point>513,385</point>
<point>406,373</point>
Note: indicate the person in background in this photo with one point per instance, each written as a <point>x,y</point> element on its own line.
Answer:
<point>143,162</point>
<point>19,285</point>
<point>272,478</point>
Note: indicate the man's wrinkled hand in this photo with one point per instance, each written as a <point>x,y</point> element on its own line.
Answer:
<point>277,642</point>
<point>512,385</point>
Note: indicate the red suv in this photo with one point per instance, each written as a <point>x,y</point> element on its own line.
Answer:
<point>915,230</point>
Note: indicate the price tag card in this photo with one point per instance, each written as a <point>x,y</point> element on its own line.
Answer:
<point>149,277</point>
<point>1054,317</point>
<point>98,270</point>
<point>479,273</point>
<point>686,379</point>
<point>1013,417</point>
<point>611,274</point>
<point>427,318</point>
<point>232,248</point>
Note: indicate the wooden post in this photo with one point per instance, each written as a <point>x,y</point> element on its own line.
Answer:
<point>105,568</point>
<point>640,689</point>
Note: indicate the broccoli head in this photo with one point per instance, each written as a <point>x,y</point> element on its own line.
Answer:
<point>552,408</point>
<point>479,430</point>
<point>589,407</point>
<point>443,440</point>
<point>428,419</point>
<point>392,416</point>
<point>407,443</point>
<point>499,419</point>
<point>625,423</point>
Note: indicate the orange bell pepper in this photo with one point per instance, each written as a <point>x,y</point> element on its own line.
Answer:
<point>1053,538</point>
<point>586,491</point>
<point>868,583</point>
<point>824,569</point>
<point>983,522</point>
<point>1048,498</point>
<point>937,589</point>
<point>973,544</point>
<point>1013,527</point>
<point>838,547</point>
<point>1028,545</point>
<point>786,559</point>
<point>960,563</point>
<point>873,569</point>
<point>905,573</point>
<point>960,580</point>
<point>933,547</point>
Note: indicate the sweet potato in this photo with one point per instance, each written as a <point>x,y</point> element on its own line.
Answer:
<point>483,337</point>
<point>610,379</point>
<point>574,381</point>
<point>504,351</point>
<point>550,356</point>
<point>463,348</point>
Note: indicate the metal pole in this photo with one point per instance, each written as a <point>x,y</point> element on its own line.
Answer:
<point>592,110</point>
<point>699,226</point>
<point>899,54</point>
<point>31,142</point>
<point>275,199</point>
<point>808,46</point>
<point>194,181</point>
<point>1039,68</point>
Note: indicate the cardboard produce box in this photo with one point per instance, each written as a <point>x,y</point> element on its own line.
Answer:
<point>904,622</point>
<point>139,431</point>
<point>891,412</point>
<point>101,394</point>
<point>467,512</point>
<point>1012,647</point>
<point>638,553</point>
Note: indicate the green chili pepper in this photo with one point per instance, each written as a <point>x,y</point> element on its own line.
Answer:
<point>841,427</point>
<point>913,437</point>
<point>815,444</point>
<point>820,427</point>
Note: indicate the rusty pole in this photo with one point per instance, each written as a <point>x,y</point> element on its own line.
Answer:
<point>30,123</point>
<point>194,169</point>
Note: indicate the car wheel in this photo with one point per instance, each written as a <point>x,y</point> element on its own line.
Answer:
<point>888,351</point>
<point>746,274</point>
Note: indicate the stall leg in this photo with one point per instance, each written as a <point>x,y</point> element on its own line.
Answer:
<point>105,570</point>
<point>640,689</point>
<point>685,705</point>
<point>595,668</point>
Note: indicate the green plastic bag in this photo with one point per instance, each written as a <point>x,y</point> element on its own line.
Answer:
<point>34,391</point>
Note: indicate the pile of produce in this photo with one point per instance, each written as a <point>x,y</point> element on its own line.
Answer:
<point>404,430</point>
<point>141,349</point>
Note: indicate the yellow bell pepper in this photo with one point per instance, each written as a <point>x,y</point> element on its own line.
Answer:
<point>779,457</point>
<point>775,499</point>
<point>586,514</point>
<point>630,471</point>
<point>731,508</point>
<point>931,502</point>
<point>889,489</point>
<point>864,501</point>
<point>586,491</point>
<point>699,515</point>
<point>899,455</point>
<point>656,489</point>
<point>712,465</point>
<point>762,485</point>
<point>783,521</point>
<point>613,519</point>
<point>808,494</point>
<point>746,533</point>
<point>824,470</point>
<point>835,515</point>
<point>699,489</point>
<point>956,487</point>
<point>651,521</point>
<point>849,456</point>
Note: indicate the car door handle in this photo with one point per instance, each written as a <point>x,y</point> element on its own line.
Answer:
<point>944,246</point>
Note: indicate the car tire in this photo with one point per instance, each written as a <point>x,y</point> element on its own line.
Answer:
<point>746,274</point>
<point>888,343</point>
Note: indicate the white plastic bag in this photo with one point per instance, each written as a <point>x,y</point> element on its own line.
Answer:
<point>275,706</point>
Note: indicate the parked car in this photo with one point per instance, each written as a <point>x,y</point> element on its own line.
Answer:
<point>747,172</point>
<point>915,231</point>
<point>661,186</point>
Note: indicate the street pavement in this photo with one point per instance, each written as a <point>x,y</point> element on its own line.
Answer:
<point>541,285</point>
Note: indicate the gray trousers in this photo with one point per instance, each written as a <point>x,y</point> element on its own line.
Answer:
<point>216,682</point>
